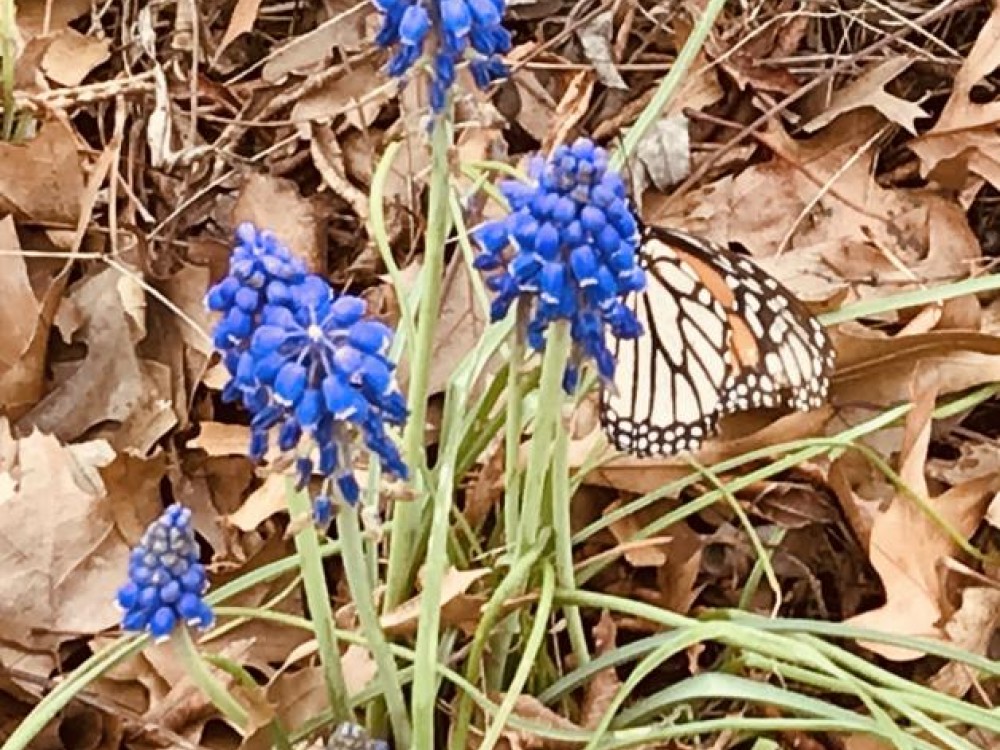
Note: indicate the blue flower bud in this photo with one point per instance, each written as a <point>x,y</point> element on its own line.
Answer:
<point>290,383</point>
<point>456,17</point>
<point>414,26</point>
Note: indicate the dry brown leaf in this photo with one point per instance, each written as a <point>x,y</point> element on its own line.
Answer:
<point>111,383</point>
<point>821,191</point>
<point>329,160</point>
<point>677,580</point>
<point>461,322</point>
<point>651,554</point>
<point>358,95</point>
<point>748,59</point>
<point>600,690</point>
<point>62,554</point>
<point>906,546</point>
<point>486,488</point>
<point>971,628</point>
<point>186,708</point>
<point>965,132</point>
<point>33,14</point>
<point>221,439</point>
<point>456,606</point>
<point>974,460</point>
<point>275,203</point>
<point>531,709</point>
<point>572,108</point>
<point>42,179</point>
<point>345,29</point>
<point>878,370</point>
<point>739,433</point>
<point>21,309</point>
<point>240,22</point>
<point>264,502</point>
<point>868,90</point>
<point>71,56</point>
<point>865,742</point>
<point>595,38</point>
<point>533,107</point>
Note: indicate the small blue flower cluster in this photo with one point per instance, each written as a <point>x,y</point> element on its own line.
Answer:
<point>458,30</point>
<point>166,581</point>
<point>574,240</point>
<point>306,363</point>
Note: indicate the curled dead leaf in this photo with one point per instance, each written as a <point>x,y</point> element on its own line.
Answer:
<point>458,608</point>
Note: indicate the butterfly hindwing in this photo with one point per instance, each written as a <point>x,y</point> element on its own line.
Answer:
<point>721,336</point>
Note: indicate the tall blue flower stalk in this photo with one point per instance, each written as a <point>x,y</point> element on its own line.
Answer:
<point>566,256</point>
<point>164,595</point>
<point>439,36</point>
<point>313,371</point>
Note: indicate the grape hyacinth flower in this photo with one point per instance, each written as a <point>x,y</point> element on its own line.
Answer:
<point>568,248</point>
<point>449,31</point>
<point>166,580</point>
<point>310,367</point>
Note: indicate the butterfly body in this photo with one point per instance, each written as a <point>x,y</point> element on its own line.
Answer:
<point>721,336</point>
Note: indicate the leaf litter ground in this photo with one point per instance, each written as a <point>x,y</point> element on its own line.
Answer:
<point>143,136</point>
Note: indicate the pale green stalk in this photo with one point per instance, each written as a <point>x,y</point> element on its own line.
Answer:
<point>405,547</point>
<point>561,498</point>
<point>363,595</point>
<point>547,421</point>
<point>318,599</point>
<point>201,676</point>
<point>506,630</point>
<point>425,677</point>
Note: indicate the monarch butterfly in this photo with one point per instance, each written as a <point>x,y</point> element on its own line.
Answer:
<point>721,336</point>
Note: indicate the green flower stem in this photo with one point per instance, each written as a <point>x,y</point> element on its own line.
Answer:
<point>547,421</point>
<point>359,581</point>
<point>201,676</point>
<point>670,83</point>
<point>318,599</point>
<point>513,582</point>
<point>506,630</point>
<point>512,437</point>
<point>531,648</point>
<point>425,677</point>
<point>403,552</point>
<point>561,496</point>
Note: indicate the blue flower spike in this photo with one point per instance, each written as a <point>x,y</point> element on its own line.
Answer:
<point>312,369</point>
<point>569,248</point>
<point>166,581</point>
<point>441,34</point>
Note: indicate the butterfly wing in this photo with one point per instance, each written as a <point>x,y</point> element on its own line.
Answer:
<point>721,336</point>
<point>670,381</point>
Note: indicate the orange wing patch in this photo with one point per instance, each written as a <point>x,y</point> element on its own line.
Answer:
<point>711,278</point>
<point>744,344</point>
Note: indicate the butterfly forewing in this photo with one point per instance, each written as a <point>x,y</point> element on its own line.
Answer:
<point>721,336</point>
<point>669,382</point>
